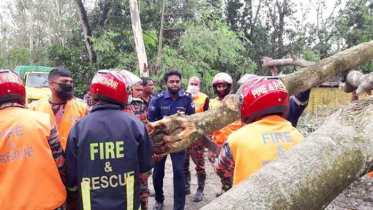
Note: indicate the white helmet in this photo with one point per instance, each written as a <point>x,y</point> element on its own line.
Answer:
<point>222,77</point>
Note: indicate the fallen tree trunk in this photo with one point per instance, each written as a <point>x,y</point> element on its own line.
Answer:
<point>314,172</point>
<point>177,132</point>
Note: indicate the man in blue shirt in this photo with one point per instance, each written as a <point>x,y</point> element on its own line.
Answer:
<point>298,103</point>
<point>167,103</point>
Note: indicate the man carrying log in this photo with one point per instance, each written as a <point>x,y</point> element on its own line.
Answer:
<point>264,103</point>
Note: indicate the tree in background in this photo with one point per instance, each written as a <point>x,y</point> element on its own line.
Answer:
<point>354,26</point>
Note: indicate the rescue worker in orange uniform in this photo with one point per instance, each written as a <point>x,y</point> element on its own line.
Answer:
<point>31,157</point>
<point>62,107</point>
<point>136,106</point>
<point>266,134</point>
<point>222,84</point>
<point>108,150</point>
<point>196,150</point>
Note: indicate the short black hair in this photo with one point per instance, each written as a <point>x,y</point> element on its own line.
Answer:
<point>145,80</point>
<point>59,72</point>
<point>171,72</point>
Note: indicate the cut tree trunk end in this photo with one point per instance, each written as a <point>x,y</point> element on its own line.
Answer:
<point>358,82</point>
<point>178,131</point>
<point>314,172</point>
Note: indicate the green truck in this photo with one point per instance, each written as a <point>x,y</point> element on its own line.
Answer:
<point>36,81</point>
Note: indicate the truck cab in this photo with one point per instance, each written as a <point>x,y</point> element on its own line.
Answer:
<point>36,81</point>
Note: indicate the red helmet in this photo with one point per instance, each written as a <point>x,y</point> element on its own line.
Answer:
<point>112,85</point>
<point>11,87</point>
<point>263,96</point>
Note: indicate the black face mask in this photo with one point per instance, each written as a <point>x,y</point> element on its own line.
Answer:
<point>66,91</point>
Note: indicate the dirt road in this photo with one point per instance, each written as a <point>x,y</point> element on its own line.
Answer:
<point>358,196</point>
<point>213,186</point>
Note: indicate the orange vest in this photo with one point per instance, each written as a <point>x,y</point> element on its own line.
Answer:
<point>259,143</point>
<point>220,136</point>
<point>74,110</point>
<point>28,173</point>
<point>199,102</point>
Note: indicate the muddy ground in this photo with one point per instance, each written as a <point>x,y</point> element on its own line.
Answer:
<point>358,196</point>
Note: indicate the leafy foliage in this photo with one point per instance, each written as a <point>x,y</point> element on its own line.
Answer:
<point>200,37</point>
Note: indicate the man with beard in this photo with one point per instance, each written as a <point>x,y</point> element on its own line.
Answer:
<point>63,108</point>
<point>167,103</point>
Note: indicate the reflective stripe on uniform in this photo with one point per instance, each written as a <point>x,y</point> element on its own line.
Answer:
<point>130,185</point>
<point>86,195</point>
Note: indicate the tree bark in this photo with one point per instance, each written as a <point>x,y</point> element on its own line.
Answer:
<point>314,172</point>
<point>86,31</point>
<point>270,62</point>
<point>139,41</point>
<point>160,39</point>
<point>176,133</point>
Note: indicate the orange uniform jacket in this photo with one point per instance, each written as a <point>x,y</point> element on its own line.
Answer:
<point>74,110</point>
<point>259,143</point>
<point>220,136</point>
<point>200,101</point>
<point>28,173</point>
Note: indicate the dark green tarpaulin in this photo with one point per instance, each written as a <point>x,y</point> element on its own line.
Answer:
<point>21,70</point>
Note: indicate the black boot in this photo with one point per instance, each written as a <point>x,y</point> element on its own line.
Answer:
<point>158,205</point>
<point>201,186</point>
<point>187,183</point>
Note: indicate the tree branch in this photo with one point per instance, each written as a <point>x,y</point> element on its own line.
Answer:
<point>160,39</point>
<point>339,63</point>
<point>270,62</point>
<point>177,132</point>
<point>86,31</point>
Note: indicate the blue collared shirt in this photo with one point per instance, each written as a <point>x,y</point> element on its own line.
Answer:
<point>297,105</point>
<point>163,105</point>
